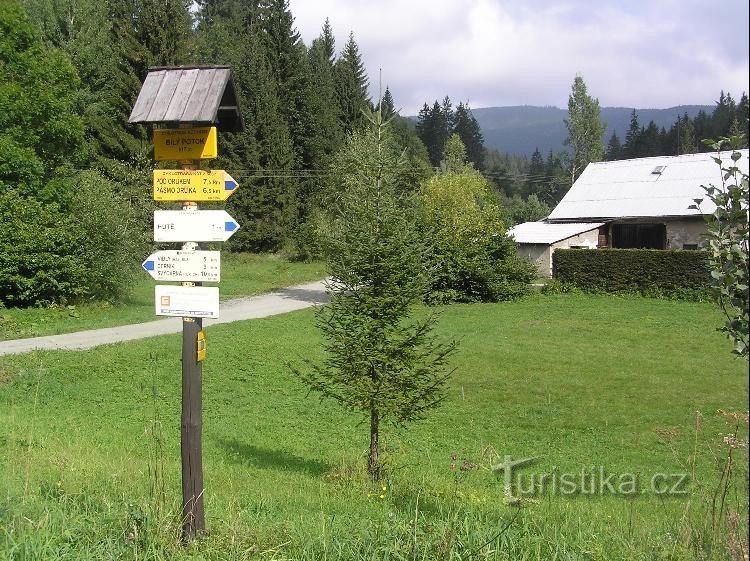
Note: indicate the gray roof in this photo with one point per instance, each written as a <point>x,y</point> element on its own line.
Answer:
<point>547,233</point>
<point>201,95</point>
<point>644,187</point>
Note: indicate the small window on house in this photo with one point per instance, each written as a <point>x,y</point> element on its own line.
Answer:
<point>690,246</point>
<point>658,170</point>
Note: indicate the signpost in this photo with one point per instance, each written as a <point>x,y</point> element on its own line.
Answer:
<point>196,185</point>
<point>184,266</point>
<point>185,144</point>
<point>187,301</point>
<point>189,97</point>
<point>193,226</point>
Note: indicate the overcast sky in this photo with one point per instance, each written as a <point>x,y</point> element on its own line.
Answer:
<point>636,53</point>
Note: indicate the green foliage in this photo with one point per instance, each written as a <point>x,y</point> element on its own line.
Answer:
<point>39,253</point>
<point>585,129</point>
<point>467,128</point>
<point>39,130</point>
<point>727,236</point>
<point>379,360</point>
<point>113,238</point>
<point>80,244</point>
<point>351,86</point>
<point>454,155</point>
<point>516,210</point>
<point>470,255</point>
<point>436,125</point>
<point>647,271</point>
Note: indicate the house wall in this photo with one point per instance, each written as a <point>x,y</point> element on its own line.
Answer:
<point>680,231</point>
<point>541,254</point>
<point>687,231</point>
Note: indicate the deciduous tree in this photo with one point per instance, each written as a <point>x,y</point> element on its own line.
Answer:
<point>585,129</point>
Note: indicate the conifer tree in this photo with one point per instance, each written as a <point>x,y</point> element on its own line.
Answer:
<point>262,156</point>
<point>632,147</point>
<point>555,182</point>
<point>434,127</point>
<point>614,148</point>
<point>329,42</point>
<point>386,105</point>
<point>467,128</point>
<point>380,361</point>
<point>351,86</point>
<point>686,140</point>
<point>536,175</point>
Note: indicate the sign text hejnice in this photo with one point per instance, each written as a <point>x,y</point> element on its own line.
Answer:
<point>193,226</point>
<point>193,185</point>
<point>184,266</point>
<point>185,144</point>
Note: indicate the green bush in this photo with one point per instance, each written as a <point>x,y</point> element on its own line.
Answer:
<point>84,245</point>
<point>39,247</point>
<point>650,272</point>
<point>471,258</point>
<point>114,238</point>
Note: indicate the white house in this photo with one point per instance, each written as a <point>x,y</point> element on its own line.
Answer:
<point>655,203</point>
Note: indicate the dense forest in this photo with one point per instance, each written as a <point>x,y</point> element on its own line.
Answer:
<point>729,118</point>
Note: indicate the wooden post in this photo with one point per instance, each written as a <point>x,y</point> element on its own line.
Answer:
<point>193,517</point>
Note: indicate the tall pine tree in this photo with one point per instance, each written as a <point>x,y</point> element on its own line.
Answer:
<point>467,128</point>
<point>351,86</point>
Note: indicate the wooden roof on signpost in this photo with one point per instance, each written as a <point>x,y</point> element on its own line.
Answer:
<point>198,95</point>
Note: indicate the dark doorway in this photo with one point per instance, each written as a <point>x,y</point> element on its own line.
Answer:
<point>639,236</point>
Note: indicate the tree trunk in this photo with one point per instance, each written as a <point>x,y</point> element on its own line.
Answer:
<point>373,462</point>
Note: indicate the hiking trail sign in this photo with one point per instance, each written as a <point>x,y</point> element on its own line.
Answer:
<point>188,105</point>
<point>174,265</point>
<point>193,226</point>
<point>185,144</point>
<point>193,185</point>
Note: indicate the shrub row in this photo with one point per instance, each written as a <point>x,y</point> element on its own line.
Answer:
<point>648,271</point>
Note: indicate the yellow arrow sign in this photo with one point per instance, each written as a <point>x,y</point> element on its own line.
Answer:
<point>193,185</point>
<point>185,144</point>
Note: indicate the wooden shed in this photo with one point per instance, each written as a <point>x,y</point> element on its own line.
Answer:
<point>194,95</point>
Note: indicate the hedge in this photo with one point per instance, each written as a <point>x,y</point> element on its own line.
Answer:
<point>648,271</point>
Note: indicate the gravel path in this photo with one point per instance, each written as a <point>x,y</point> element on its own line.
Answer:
<point>279,302</point>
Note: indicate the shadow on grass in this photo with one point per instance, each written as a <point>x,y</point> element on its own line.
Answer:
<point>271,459</point>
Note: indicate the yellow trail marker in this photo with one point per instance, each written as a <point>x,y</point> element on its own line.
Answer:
<point>185,144</point>
<point>201,346</point>
<point>193,185</point>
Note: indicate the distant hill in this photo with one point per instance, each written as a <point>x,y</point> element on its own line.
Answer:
<point>520,129</point>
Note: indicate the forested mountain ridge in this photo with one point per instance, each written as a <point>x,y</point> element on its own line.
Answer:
<point>520,129</point>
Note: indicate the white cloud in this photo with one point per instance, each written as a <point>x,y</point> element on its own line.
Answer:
<point>491,52</point>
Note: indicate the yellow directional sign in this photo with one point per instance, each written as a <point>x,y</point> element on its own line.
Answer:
<point>185,144</point>
<point>193,185</point>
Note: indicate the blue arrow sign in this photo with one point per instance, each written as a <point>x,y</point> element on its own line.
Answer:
<point>230,185</point>
<point>148,265</point>
<point>230,226</point>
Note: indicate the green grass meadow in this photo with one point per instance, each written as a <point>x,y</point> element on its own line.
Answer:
<point>90,451</point>
<point>243,274</point>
